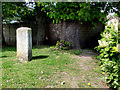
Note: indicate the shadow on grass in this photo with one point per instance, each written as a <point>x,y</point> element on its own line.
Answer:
<point>8,48</point>
<point>13,48</point>
<point>4,56</point>
<point>74,52</point>
<point>41,46</point>
<point>39,57</point>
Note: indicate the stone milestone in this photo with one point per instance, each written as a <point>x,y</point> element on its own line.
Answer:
<point>24,43</point>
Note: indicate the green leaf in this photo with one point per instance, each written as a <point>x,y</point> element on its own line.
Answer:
<point>53,21</point>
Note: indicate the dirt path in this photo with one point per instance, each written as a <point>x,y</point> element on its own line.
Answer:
<point>91,69</point>
<point>87,56</point>
<point>85,70</point>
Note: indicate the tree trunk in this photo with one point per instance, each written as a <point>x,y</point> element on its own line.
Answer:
<point>40,31</point>
<point>41,26</point>
<point>70,33</point>
<point>3,39</point>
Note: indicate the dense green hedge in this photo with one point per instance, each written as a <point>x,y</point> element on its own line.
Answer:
<point>109,57</point>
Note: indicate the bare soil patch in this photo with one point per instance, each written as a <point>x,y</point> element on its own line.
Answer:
<point>85,70</point>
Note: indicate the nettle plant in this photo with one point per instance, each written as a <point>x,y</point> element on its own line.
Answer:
<point>109,57</point>
<point>63,45</point>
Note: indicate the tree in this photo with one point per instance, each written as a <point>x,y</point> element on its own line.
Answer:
<point>41,25</point>
<point>28,14</point>
<point>16,11</point>
<point>84,11</point>
<point>58,12</point>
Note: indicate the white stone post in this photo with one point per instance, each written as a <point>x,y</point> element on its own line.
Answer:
<point>24,44</point>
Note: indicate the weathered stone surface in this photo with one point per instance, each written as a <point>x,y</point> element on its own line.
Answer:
<point>24,44</point>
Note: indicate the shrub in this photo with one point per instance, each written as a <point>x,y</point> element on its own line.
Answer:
<point>63,45</point>
<point>109,57</point>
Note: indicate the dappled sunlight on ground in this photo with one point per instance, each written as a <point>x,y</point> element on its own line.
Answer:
<point>51,68</point>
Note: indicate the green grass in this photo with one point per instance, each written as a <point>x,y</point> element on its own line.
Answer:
<point>48,68</point>
<point>0,69</point>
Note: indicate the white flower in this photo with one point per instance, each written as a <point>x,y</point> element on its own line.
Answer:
<point>107,35</point>
<point>102,43</point>
<point>39,78</point>
<point>110,42</point>
<point>99,41</point>
<point>105,43</point>
<point>42,72</point>
<point>62,82</point>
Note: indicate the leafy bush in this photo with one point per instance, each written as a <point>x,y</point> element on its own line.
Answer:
<point>109,57</point>
<point>63,45</point>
